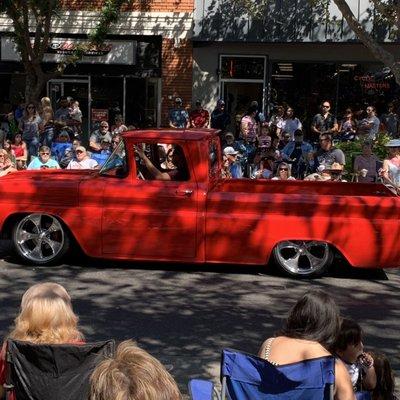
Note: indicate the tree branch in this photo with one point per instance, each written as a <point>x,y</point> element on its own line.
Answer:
<point>378,51</point>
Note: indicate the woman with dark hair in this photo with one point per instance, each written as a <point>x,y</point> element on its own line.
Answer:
<point>310,330</point>
<point>385,380</point>
<point>30,125</point>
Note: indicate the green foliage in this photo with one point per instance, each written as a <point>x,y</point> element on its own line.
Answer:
<point>353,149</point>
<point>35,17</point>
<point>109,16</point>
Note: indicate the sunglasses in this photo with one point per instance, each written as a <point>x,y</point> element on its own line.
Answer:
<point>283,169</point>
<point>79,152</point>
<point>44,154</point>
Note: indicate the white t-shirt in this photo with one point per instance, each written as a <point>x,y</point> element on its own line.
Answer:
<point>289,126</point>
<point>87,163</point>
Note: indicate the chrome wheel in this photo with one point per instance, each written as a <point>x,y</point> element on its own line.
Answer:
<point>39,238</point>
<point>303,258</point>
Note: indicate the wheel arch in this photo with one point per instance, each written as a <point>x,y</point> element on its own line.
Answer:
<point>12,219</point>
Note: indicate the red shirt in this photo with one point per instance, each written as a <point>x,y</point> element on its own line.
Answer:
<point>199,118</point>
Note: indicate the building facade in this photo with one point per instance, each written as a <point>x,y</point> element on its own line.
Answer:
<point>145,62</point>
<point>288,53</point>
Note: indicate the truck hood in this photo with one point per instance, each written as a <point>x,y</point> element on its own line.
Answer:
<point>44,187</point>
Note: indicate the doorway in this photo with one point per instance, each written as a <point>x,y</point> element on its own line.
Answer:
<point>78,89</point>
<point>238,96</point>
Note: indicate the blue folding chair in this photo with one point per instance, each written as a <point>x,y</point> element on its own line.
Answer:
<point>58,150</point>
<point>245,376</point>
<point>100,158</point>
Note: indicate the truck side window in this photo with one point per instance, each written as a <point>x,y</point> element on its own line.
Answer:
<point>159,161</point>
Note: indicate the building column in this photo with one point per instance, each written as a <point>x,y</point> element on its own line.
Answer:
<point>177,74</point>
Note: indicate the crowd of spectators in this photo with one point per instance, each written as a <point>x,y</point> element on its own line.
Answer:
<point>262,146</point>
<point>38,137</point>
<point>314,328</point>
<point>254,146</point>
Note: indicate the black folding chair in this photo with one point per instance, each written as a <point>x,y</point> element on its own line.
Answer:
<point>53,372</point>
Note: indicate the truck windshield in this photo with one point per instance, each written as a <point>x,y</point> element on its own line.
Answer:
<point>116,163</point>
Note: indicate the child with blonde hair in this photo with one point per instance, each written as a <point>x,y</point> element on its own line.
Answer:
<point>133,374</point>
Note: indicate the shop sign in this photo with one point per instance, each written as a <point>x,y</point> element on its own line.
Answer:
<point>369,82</point>
<point>68,47</point>
<point>99,114</point>
<point>112,52</point>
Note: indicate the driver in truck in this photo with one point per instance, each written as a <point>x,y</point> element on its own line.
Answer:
<point>178,159</point>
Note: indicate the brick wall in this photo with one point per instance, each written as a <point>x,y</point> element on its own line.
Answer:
<point>134,5</point>
<point>177,69</point>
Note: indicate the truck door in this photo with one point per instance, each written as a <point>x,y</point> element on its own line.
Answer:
<point>147,218</point>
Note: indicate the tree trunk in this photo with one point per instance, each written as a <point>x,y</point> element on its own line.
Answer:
<point>35,84</point>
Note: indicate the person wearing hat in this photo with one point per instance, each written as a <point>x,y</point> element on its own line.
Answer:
<point>235,168</point>
<point>390,171</point>
<point>331,173</point>
<point>178,116</point>
<point>83,161</point>
<point>199,117</point>
<point>220,119</point>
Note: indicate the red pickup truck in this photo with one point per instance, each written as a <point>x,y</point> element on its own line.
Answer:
<point>140,207</point>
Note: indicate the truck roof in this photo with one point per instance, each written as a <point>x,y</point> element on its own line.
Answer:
<point>171,134</point>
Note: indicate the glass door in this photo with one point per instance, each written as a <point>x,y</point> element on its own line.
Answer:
<point>77,89</point>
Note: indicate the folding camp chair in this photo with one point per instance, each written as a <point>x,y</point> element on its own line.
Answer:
<point>245,376</point>
<point>56,372</point>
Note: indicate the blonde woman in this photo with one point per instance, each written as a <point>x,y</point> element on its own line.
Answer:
<point>6,165</point>
<point>283,173</point>
<point>46,316</point>
<point>132,374</point>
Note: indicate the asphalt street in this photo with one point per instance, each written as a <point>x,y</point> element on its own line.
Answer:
<point>184,314</point>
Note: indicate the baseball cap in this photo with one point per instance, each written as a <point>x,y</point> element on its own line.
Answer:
<point>178,100</point>
<point>230,151</point>
<point>80,148</point>
<point>334,167</point>
<point>229,135</point>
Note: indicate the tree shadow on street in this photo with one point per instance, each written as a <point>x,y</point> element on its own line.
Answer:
<point>186,314</point>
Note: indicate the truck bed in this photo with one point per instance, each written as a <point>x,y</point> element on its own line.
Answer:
<point>304,187</point>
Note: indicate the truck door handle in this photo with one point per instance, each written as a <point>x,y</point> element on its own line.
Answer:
<point>185,192</point>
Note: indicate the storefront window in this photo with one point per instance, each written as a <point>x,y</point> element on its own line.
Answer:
<point>304,86</point>
<point>108,94</point>
<point>242,67</point>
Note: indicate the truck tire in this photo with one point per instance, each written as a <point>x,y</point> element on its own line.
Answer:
<point>303,259</point>
<point>40,239</point>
